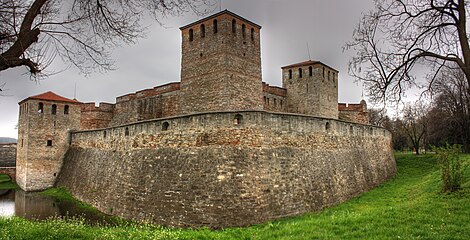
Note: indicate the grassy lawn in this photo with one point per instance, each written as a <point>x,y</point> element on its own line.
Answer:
<point>5,182</point>
<point>407,207</point>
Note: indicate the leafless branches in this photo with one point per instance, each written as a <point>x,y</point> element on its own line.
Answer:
<point>398,35</point>
<point>81,32</point>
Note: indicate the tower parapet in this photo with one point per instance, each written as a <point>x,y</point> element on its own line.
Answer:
<point>221,64</point>
<point>312,89</point>
<point>44,123</point>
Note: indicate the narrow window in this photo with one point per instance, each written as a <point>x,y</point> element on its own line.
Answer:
<point>252,34</point>
<point>243,30</point>
<point>351,131</point>
<point>40,107</point>
<point>234,26</point>
<point>274,102</point>
<point>328,75</point>
<point>126,132</point>
<point>21,142</point>
<point>323,71</point>
<point>104,134</point>
<point>203,30</point>
<point>281,103</point>
<point>264,99</point>
<point>267,100</point>
<point>191,35</point>
<point>66,109</point>
<point>215,26</point>
<point>310,71</point>
<point>300,72</point>
<point>54,109</point>
<point>290,73</point>
<point>165,126</point>
<point>49,143</point>
<point>238,119</point>
<point>327,126</point>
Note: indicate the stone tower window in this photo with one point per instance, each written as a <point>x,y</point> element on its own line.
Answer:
<point>234,26</point>
<point>49,143</point>
<point>351,131</point>
<point>203,30</point>
<point>165,126</point>
<point>252,34</point>
<point>274,102</point>
<point>290,73</point>
<point>328,75</point>
<point>40,107</point>
<point>191,35</point>
<point>237,120</point>
<point>323,71</point>
<point>281,103</point>
<point>264,99</point>
<point>66,109</point>
<point>300,72</point>
<point>310,71</point>
<point>244,30</point>
<point>126,132</point>
<point>327,126</point>
<point>215,26</point>
<point>54,109</point>
<point>104,134</point>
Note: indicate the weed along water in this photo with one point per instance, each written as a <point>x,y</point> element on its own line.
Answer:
<point>41,206</point>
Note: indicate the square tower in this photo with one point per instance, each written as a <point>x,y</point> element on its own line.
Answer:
<point>44,122</point>
<point>312,89</point>
<point>221,65</point>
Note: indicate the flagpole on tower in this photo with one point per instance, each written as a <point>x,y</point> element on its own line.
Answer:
<point>220,5</point>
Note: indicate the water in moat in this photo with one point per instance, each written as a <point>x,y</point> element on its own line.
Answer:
<point>34,206</point>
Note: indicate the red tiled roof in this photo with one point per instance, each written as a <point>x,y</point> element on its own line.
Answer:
<point>309,62</point>
<point>50,96</point>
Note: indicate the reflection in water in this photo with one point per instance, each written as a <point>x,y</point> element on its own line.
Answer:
<point>7,203</point>
<point>34,206</point>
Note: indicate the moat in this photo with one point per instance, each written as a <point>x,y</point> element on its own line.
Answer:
<point>35,206</point>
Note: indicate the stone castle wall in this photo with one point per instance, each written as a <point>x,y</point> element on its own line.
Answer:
<point>38,166</point>
<point>8,155</point>
<point>225,168</point>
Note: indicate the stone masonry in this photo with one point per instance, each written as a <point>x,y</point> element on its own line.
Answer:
<point>219,148</point>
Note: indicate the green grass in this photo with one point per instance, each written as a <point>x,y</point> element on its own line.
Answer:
<point>408,207</point>
<point>5,182</point>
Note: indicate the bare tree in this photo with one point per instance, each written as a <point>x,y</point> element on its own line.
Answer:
<point>81,32</point>
<point>398,35</point>
<point>415,124</point>
<point>449,117</point>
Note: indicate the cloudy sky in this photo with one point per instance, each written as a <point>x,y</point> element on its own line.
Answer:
<point>287,27</point>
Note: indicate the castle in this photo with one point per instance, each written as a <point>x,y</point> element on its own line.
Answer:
<point>220,148</point>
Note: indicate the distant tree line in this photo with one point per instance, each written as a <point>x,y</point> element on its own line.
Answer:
<point>445,119</point>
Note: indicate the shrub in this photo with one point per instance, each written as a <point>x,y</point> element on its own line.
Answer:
<point>451,166</point>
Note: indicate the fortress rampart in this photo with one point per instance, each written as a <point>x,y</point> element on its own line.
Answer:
<point>223,169</point>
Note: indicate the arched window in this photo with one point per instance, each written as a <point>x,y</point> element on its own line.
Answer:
<point>215,26</point>
<point>327,126</point>
<point>290,73</point>
<point>49,143</point>
<point>54,109</point>
<point>243,30</point>
<point>104,134</point>
<point>66,109</point>
<point>351,130</point>
<point>126,132</point>
<point>191,35</point>
<point>323,71</point>
<point>165,126</point>
<point>310,71</point>
<point>252,34</point>
<point>234,26</point>
<point>300,72</point>
<point>237,120</point>
<point>264,99</point>
<point>203,30</point>
<point>328,75</point>
<point>40,107</point>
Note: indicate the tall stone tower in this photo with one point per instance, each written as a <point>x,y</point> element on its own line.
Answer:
<point>44,122</point>
<point>221,64</point>
<point>312,89</point>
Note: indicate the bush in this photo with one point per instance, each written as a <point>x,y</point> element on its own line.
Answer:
<point>451,166</point>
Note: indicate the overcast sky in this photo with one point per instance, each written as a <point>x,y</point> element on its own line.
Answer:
<point>287,26</point>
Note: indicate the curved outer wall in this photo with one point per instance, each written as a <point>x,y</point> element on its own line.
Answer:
<point>207,171</point>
